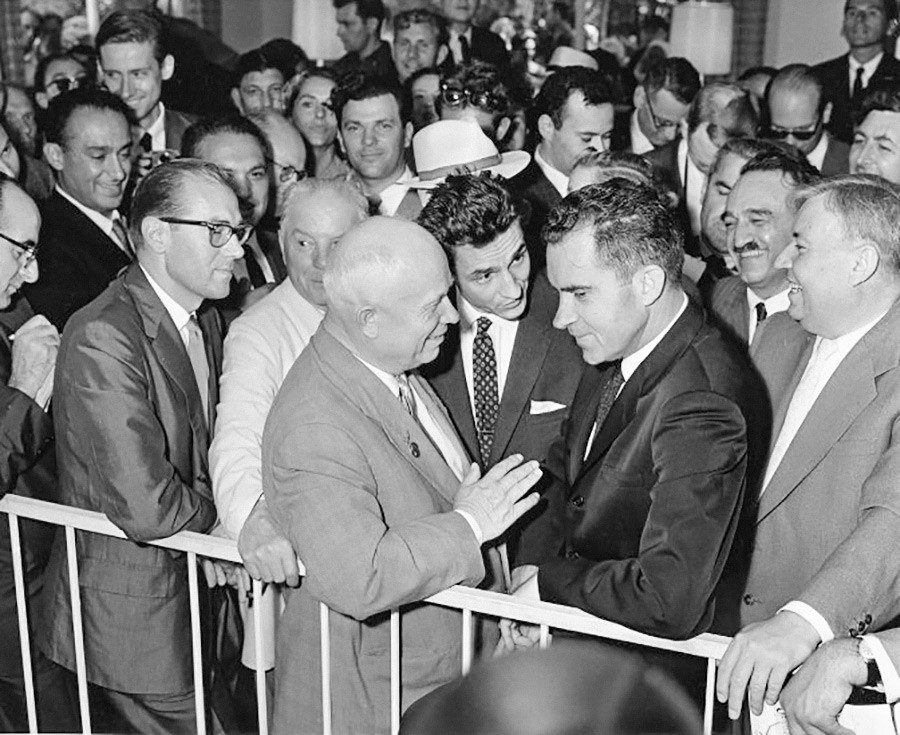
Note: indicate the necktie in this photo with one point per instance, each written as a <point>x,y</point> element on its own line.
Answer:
<point>120,235</point>
<point>254,271</point>
<point>802,401</point>
<point>761,312</point>
<point>465,50</point>
<point>608,396</point>
<point>196,350</point>
<point>146,143</point>
<point>487,401</point>
<point>858,83</point>
<point>407,397</point>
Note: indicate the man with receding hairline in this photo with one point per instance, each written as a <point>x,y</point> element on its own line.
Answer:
<point>366,476</point>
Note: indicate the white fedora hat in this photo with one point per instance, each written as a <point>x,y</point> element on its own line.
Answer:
<point>458,147</point>
<point>567,56</point>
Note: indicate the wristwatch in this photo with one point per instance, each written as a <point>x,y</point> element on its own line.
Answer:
<point>873,675</point>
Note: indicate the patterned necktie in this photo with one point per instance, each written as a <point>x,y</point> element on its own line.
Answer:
<point>761,312</point>
<point>196,350</point>
<point>407,397</point>
<point>487,401</point>
<point>120,235</point>
<point>858,83</point>
<point>608,395</point>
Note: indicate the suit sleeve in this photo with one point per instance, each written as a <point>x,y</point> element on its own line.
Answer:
<point>25,431</point>
<point>327,504</point>
<point>699,453</point>
<point>108,412</point>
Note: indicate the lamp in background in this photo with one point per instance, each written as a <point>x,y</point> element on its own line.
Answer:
<point>702,32</point>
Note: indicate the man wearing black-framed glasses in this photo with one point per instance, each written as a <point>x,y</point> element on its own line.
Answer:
<point>142,365</point>
<point>799,113</point>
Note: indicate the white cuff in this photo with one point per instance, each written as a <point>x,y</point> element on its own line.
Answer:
<point>811,616</point>
<point>530,589</point>
<point>889,676</point>
<point>473,524</point>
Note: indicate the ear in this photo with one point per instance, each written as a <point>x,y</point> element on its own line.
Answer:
<point>649,283</point>
<point>236,99</point>
<point>156,234</point>
<point>367,319</point>
<point>167,67</point>
<point>41,99</point>
<point>826,113</point>
<point>545,127</point>
<point>502,128</point>
<point>53,154</point>
<point>407,134</point>
<point>866,259</point>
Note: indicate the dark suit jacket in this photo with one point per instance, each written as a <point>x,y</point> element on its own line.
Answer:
<point>837,158</point>
<point>76,261</point>
<point>546,365</point>
<point>665,163</point>
<point>535,189</point>
<point>488,46</point>
<point>132,442</point>
<point>835,75</point>
<point>175,124</point>
<point>379,63</point>
<point>647,520</point>
<point>728,304</point>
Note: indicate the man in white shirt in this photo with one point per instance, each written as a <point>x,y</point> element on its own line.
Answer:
<point>661,102</point>
<point>825,562</point>
<point>798,114</point>
<point>759,218</point>
<point>365,474</point>
<point>375,138</point>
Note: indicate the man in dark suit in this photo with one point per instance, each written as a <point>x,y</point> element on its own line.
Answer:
<point>133,419</point>
<point>876,140</point>
<point>661,102</point>
<point>573,114</point>
<point>83,239</point>
<point>27,467</point>
<point>825,563</point>
<point>469,42</point>
<point>869,25</point>
<point>644,518</point>
<point>359,28</point>
<point>506,376</point>
<point>798,112</point>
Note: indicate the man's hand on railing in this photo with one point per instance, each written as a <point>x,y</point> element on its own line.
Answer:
<point>219,573</point>
<point>816,694</point>
<point>495,501</point>
<point>267,554</point>
<point>515,635</point>
<point>759,659</point>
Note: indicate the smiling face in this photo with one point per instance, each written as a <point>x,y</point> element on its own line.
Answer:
<point>759,223</point>
<point>375,138</point>
<point>605,315</point>
<point>132,72</point>
<point>876,146</point>
<point>415,47</point>
<point>494,278</point>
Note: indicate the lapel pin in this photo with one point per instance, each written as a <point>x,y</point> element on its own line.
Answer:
<point>414,449</point>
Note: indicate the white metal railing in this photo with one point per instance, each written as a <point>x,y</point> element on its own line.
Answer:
<point>469,601</point>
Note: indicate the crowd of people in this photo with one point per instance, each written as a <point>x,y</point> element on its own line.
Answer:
<point>606,337</point>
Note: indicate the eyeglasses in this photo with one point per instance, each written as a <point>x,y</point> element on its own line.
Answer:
<point>29,248</point>
<point>64,84</point>
<point>782,134</point>
<point>286,173</point>
<point>456,97</point>
<point>660,123</point>
<point>219,232</point>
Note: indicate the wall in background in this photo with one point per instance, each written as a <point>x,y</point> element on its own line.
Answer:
<point>247,24</point>
<point>804,31</point>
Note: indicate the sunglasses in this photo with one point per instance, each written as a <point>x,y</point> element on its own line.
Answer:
<point>456,97</point>
<point>64,84</point>
<point>219,232</point>
<point>782,134</point>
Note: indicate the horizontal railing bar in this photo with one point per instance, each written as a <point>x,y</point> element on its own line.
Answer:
<point>494,604</point>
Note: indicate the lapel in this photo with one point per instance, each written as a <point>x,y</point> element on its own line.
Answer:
<point>211,327</point>
<point>847,393</point>
<point>644,380</point>
<point>96,250</point>
<point>455,393</point>
<point>587,401</point>
<point>410,206</point>
<point>842,98</point>
<point>376,402</point>
<point>169,350</point>
<point>533,338</point>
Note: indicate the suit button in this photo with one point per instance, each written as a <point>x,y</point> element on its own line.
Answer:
<point>749,599</point>
<point>578,501</point>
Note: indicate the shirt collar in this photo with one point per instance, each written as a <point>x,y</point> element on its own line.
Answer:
<point>179,314</point>
<point>779,302</point>
<point>640,143</point>
<point>817,155</point>
<point>389,380</point>
<point>469,315</point>
<point>102,221</point>
<point>631,363</point>
<point>468,35</point>
<point>392,195</point>
<point>868,68</point>
<point>556,177</point>
<point>847,342</point>
<point>157,130</point>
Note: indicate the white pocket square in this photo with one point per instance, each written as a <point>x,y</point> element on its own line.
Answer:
<point>538,407</point>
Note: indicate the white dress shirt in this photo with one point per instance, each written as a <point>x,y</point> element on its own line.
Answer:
<point>392,196</point>
<point>157,129</point>
<point>102,221</point>
<point>556,177</point>
<point>455,47</point>
<point>826,358</point>
<point>503,335</point>
<point>692,180</point>
<point>817,155</point>
<point>779,302</point>
<point>261,346</point>
<point>640,143</point>
<point>179,314</point>
<point>868,70</point>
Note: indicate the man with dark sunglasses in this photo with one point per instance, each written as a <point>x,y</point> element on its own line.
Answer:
<point>798,114</point>
<point>476,91</point>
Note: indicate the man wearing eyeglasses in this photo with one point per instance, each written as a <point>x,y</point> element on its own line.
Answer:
<point>84,242</point>
<point>661,103</point>
<point>27,468</point>
<point>289,153</point>
<point>239,148</point>
<point>476,91</point>
<point>56,74</point>
<point>133,421</point>
<point>798,114</point>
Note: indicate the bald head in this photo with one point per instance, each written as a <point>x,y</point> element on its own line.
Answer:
<point>19,221</point>
<point>386,285</point>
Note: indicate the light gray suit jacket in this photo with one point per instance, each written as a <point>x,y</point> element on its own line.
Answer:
<point>365,499</point>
